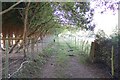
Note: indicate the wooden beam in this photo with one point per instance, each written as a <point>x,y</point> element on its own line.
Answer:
<point>11,38</point>
<point>15,38</point>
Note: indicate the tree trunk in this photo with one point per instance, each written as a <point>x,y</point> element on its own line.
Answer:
<point>25,29</point>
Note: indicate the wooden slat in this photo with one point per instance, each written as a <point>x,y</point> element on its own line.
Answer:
<point>15,38</point>
<point>11,39</point>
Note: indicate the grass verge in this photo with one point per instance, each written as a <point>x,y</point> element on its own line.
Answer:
<point>33,69</point>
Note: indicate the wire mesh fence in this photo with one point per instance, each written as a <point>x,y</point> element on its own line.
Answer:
<point>13,62</point>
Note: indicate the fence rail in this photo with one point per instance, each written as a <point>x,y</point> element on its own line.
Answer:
<point>36,45</point>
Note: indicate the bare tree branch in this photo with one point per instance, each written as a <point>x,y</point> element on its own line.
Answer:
<point>40,25</point>
<point>3,12</point>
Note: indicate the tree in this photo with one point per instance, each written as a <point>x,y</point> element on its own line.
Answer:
<point>40,18</point>
<point>106,5</point>
<point>77,13</point>
<point>25,28</point>
<point>10,8</point>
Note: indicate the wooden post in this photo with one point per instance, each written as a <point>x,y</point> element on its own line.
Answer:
<point>83,45</point>
<point>86,47</point>
<point>27,45</point>
<point>24,49</point>
<point>37,46</point>
<point>78,43</point>
<point>42,43</point>
<point>75,41</point>
<point>58,39</point>
<point>32,49</point>
<point>3,40</point>
<point>112,61</point>
<point>8,40</point>
<point>92,52</point>
<point>6,59</point>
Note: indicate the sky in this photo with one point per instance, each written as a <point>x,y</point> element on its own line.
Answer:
<point>106,21</point>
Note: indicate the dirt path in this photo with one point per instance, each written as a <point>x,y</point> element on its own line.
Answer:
<point>77,70</point>
<point>48,69</point>
<point>73,70</point>
<point>70,68</point>
<point>63,62</point>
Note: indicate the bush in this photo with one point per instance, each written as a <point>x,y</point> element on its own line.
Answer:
<point>103,50</point>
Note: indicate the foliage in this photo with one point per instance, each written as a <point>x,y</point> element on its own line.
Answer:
<point>116,35</point>
<point>12,16</point>
<point>103,50</point>
<point>77,13</point>
<point>104,5</point>
<point>100,36</point>
<point>42,17</point>
<point>33,69</point>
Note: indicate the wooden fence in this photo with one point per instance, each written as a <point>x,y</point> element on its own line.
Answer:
<point>8,54</point>
<point>94,51</point>
<point>32,46</point>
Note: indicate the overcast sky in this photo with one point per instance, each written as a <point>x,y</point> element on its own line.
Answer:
<point>106,21</point>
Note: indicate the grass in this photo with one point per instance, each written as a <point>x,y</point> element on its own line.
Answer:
<point>61,59</point>
<point>33,69</point>
<point>81,49</point>
<point>61,50</point>
<point>62,56</point>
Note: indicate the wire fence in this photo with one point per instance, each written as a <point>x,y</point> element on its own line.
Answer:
<point>104,52</point>
<point>33,48</point>
<point>13,62</point>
